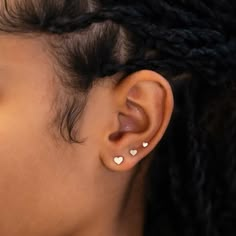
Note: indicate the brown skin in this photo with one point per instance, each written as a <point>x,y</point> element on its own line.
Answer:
<point>50,188</point>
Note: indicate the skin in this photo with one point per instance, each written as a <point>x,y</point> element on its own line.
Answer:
<point>50,188</point>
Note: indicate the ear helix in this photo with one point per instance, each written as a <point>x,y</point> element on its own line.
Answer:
<point>119,159</point>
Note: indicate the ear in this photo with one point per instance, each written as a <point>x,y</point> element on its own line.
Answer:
<point>142,107</point>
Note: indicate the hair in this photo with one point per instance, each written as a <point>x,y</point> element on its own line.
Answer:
<point>191,185</point>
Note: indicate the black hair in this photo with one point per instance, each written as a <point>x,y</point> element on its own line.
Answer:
<point>191,186</point>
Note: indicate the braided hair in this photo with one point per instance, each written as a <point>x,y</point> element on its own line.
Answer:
<point>191,185</point>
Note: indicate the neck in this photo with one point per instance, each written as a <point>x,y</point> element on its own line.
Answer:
<point>134,207</point>
<point>121,213</point>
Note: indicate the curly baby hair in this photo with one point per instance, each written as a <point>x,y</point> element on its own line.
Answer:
<point>191,186</point>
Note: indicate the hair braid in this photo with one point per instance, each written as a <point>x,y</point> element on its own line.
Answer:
<point>207,44</point>
<point>196,164</point>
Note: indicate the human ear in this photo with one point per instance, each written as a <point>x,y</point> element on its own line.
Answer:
<point>142,105</point>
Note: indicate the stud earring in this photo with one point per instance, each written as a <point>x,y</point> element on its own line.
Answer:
<point>133,152</point>
<point>145,144</point>
<point>118,160</point>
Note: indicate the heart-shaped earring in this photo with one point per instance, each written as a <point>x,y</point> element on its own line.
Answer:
<point>133,152</point>
<point>145,144</point>
<point>118,160</point>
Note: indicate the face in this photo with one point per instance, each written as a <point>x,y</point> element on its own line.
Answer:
<point>40,179</point>
<point>49,187</point>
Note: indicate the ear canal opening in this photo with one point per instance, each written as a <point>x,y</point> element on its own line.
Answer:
<point>115,136</point>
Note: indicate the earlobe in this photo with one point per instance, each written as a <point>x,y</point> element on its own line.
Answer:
<point>133,152</point>
<point>143,104</point>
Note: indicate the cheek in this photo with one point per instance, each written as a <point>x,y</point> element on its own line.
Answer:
<point>37,176</point>
<point>21,140</point>
<point>24,164</point>
<point>28,167</point>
